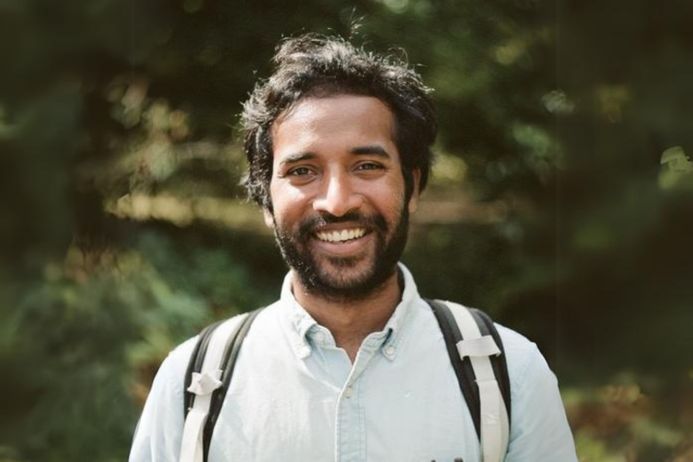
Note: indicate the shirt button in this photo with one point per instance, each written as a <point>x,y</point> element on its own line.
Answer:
<point>319,337</point>
<point>389,350</point>
<point>348,392</point>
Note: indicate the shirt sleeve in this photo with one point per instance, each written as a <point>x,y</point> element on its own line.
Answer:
<point>539,427</point>
<point>159,430</point>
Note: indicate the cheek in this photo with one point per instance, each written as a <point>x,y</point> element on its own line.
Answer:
<point>389,195</point>
<point>288,203</point>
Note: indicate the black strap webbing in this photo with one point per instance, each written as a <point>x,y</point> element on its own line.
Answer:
<point>195,364</point>
<point>499,363</point>
<point>463,367</point>
<point>233,347</point>
<point>231,351</point>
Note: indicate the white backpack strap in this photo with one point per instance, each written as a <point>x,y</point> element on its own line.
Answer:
<point>202,386</point>
<point>494,417</point>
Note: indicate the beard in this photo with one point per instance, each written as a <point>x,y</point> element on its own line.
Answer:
<point>333,285</point>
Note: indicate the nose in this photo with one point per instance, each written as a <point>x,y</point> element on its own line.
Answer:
<point>338,195</point>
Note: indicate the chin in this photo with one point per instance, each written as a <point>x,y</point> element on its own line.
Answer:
<point>346,281</point>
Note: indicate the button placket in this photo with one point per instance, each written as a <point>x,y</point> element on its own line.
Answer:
<point>350,427</point>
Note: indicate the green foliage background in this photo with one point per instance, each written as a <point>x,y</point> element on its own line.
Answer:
<point>561,201</point>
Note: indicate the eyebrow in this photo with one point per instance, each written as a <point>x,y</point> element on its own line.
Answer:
<point>370,150</point>
<point>358,150</point>
<point>298,157</point>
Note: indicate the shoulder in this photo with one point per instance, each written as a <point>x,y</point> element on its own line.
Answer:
<point>177,359</point>
<point>527,368</point>
<point>519,350</point>
<point>517,347</point>
<point>157,436</point>
<point>539,428</point>
<point>170,378</point>
<point>159,430</point>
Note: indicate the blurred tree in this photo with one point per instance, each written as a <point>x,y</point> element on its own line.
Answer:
<point>561,201</point>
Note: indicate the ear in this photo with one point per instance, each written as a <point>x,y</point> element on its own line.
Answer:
<point>269,218</point>
<point>414,199</point>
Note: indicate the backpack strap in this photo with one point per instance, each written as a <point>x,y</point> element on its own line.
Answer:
<point>207,379</point>
<point>476,354</point>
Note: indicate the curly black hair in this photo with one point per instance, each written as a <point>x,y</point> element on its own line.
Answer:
<point>319,66</point>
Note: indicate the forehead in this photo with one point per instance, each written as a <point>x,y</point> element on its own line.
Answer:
<point>334,119</point>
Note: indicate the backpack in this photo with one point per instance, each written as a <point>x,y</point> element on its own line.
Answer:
<point>471,339</point>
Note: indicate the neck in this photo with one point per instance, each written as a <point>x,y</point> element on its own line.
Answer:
<point>350,321</point>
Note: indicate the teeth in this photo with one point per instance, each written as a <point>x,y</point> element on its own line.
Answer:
<point>341,236</point>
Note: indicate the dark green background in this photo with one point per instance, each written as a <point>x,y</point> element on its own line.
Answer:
<point>562,200</point>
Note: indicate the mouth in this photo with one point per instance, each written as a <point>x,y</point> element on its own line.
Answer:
<point>339,236</point>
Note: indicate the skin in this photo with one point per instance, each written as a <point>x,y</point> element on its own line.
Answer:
<point>336,156</point>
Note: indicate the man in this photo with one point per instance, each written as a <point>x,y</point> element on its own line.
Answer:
<point>349,364</point>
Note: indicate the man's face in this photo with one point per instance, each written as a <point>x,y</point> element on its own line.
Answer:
<point>339,211</point>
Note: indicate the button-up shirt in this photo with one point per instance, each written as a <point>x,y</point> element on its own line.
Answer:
<point>296,396</point>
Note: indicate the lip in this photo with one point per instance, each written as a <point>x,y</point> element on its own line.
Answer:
<point>350,248</point>
<point>340,226</point>
<point>340,235</point>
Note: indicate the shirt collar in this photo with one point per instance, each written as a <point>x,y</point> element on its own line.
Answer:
<point>300,323</point>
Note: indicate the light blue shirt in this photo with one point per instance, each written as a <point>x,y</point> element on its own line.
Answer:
<point>296,396</point>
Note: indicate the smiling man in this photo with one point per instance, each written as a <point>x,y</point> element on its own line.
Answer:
<point>340,210</point>
<point>350,364</point>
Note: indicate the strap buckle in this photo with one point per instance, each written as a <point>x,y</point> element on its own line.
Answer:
<point>205,383</point>
<point>480,346</point>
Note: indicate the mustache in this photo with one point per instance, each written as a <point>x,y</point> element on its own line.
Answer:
<point>312,224</point>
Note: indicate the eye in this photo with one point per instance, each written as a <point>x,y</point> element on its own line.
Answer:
<point>365,166</point>
<point>299,171</point>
